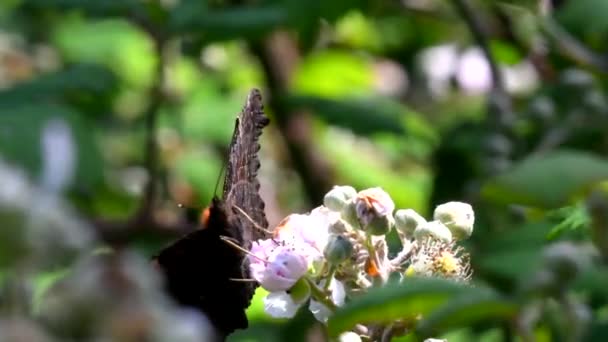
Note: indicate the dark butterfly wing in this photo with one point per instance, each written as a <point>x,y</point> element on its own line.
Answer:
<point>200,269</point>
<point>241,187</point>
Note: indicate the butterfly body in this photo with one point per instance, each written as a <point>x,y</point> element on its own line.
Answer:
<point>202,270</point>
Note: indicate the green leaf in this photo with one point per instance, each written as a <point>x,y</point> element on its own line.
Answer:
<point>395,301</point>
<point>505,53</point>
<point>333,74</point>
<point>474,306</point>
<point>225,24</point>
<point>80,80</point>
<point>123,48</point>
<point>361,115</point>
<point>584,16</point>
<point>96,8</point>
<point>547,181</point>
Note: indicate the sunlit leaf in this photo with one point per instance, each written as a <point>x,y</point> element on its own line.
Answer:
<point>549,180</point>
<point>333,74</point>
<point>394,301</point>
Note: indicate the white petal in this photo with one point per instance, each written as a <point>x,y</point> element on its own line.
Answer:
<point>338,295</point>
<point>280,305</point>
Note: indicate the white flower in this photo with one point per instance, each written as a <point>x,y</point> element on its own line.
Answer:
<point>311,229</point>
<point>276,267</point>
<point>280,305</point>
<point>338,295</point>
<point>458,217</point>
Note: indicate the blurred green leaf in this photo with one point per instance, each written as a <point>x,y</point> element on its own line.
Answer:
<point>547,181</point>
<point>593,282</point>
<point>333,74</point>
<point>200,170</point>
<point>21,131</point>
<point>467,309</point>
<point>413,297</point>
<point>505,53</point>
<point>97,7</point>
<point>361,115</point>
<point>572,218</point>
<point>76,81</point>
<point>114,43</point>
<point>584,16</point>
<point>229,23</point>
<point>511,255</point>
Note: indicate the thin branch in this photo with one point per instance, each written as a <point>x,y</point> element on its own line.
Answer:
<point>570,47</point>
<point>151,120</point>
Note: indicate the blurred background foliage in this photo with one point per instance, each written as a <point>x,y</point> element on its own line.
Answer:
<point>113,112</point>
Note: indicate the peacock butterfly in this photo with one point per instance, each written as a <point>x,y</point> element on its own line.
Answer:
<point>201,270</point>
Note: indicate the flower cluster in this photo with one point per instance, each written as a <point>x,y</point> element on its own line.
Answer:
<point>339,250</point>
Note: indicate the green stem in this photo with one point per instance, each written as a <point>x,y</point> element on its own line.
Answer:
<point>330,275</point>
<point>321,296</point>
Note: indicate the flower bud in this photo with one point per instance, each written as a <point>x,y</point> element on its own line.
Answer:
<point>338,249</point>
<point>407,220</point>
<point>338,197</point>
<point>435,230</point>
<point>374,208</point>
<point>380,225</point>
<point>349,214</point>
<point>458,217</point>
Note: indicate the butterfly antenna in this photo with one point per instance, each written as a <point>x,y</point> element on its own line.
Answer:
<point>255,224</point>
<point>231,242</point>
<point>240,280</point>
<point>219,177</point>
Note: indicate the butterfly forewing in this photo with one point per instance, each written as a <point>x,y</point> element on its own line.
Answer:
<point>241,187</point>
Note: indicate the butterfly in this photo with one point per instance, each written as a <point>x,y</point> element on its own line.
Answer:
<point>202,270</point>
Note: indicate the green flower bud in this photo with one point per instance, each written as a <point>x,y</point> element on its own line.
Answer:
<point>300,291</point>
<point>407,220</point>
<point>338,197</point>
<point>380,225</point>
<point>458,217</point>
<point>349,214</point>
<point>338,249</point>
<point>434,230</point>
